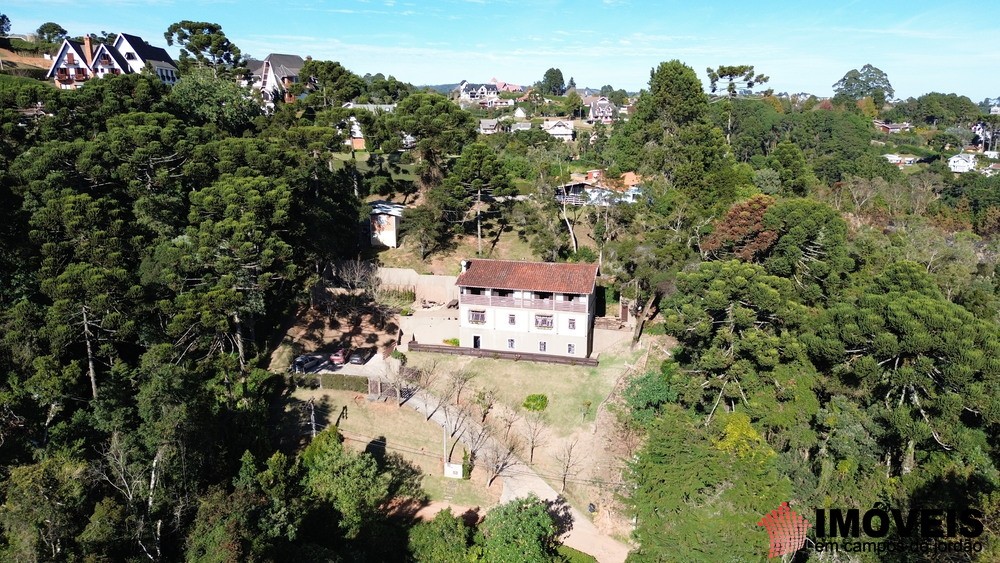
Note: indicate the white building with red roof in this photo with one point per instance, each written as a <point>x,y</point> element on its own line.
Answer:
<point>531,307</point>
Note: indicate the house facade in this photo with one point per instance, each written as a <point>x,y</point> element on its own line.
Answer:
<point>70,67</point>
<point>470,92</point>
<point>489,126</point>
<point>384,220</point>
<point>594,188</point>
<point>530,307</point>
<point>961,163</point>
<point>278,73</point>
<point>891,127</point>
<point>562,130</point>
<point>602,111</point>
<point>137,54</point>
<point>76,62</point>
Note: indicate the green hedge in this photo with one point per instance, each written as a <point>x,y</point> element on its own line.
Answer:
<point>32,73</point>
<point>22,46</point>
<point>332,381</point>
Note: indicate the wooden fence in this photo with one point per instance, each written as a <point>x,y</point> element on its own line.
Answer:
<point>501,355</point>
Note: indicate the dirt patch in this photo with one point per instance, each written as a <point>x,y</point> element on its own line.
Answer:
<point>472,515</point>
<point>31,61</point>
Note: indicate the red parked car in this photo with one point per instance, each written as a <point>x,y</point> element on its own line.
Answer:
<point>339,356</point>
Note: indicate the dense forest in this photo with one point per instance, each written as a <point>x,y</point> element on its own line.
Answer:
<point>836,315</point>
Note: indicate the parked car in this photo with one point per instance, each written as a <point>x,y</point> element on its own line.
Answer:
<point>306,363</point>
<point>339,356</point>
<point>361,356</point>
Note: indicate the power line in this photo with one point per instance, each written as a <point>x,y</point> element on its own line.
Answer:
<point>526,472</point>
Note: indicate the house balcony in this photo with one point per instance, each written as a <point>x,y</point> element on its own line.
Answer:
<point>579,306</point>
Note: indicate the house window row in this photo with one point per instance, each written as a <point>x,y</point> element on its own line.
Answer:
<point>542,346</point>
<point>478,316</point>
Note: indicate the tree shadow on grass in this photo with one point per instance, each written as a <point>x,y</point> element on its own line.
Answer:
<point>561,513</point>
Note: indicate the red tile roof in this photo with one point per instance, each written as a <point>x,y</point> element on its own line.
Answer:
<point>531,276</point>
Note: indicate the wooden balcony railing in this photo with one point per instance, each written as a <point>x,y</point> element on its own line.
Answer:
<point>578,306</point>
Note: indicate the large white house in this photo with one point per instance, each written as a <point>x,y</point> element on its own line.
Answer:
<point>530,307</point>
<point>562,130</point>
<point>78,61</point>
<point>962,162</point>
<point>277,74</point>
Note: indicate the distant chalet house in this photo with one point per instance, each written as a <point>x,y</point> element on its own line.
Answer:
<point>468,92</point>
<point>356,140</point>
<point>961,163</point>
<point>373,108</point>
<point>532,307</point>
<point>901,160</point>
<point>519,113</point>
<point>278,72</point>
<point>384,220</point>
<point>520,126</point>
<point>992,169</point>
<point>891,127</point>
<point>357,137</point>
<point>496,103</point>
<point>506,86</point>
<point>76,62</point>
<point>593,188</point>
<point>489,126</point>
<point>562,130</point>
<point>602,111</point>
<point>994,110</point>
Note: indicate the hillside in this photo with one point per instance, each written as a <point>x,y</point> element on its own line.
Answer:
<point>12,60</point>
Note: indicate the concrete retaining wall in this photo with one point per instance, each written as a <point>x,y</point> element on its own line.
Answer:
<point>441,289</point>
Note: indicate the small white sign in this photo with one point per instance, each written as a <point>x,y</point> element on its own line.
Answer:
<point>453,470</point>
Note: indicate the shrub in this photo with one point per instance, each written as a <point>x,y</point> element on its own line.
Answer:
<point>466,465</point>
<point>396,354</point>
<point>646,394</point>
<point>451,341</point>
<point>656,329</point>
<point>536,402</point>
<point>406,311</point>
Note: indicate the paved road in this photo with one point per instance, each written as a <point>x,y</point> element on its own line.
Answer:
<point>582,534</point>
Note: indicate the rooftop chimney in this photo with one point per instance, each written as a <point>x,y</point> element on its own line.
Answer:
<point>465,266</point>
<point>88,52</point>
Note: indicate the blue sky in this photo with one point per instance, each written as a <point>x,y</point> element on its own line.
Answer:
<point>803,46</point>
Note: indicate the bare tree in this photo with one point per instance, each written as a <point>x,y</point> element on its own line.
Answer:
<point>924,189</point>
<point>359,274</point>
<point>477,438</point>
<point>439,400</point>
<point>399,378</point>
<point>457,417</point>
<point>501,458</point>
<point>486,400</point>
<point>115,469</point>
<point>507,420</point>
<point>459,381</point>
<point>534,433</point>
<point>862,190</point>
<point>569,462</point>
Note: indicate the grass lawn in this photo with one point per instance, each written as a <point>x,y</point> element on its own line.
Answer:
<point>448,263</point>
<point>405,432</point>
<point>568,388</point>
